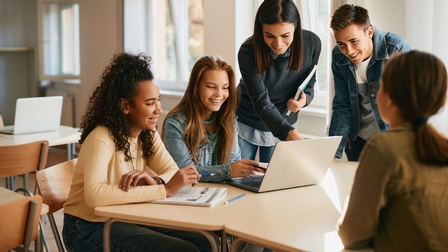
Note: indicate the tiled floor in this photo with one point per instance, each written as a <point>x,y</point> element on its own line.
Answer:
<point>55,156</point>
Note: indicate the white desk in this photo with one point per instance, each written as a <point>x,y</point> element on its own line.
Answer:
<point>192,218</point>
<point>64,136</point>
<point>299,219</point>
<point>288,220</point>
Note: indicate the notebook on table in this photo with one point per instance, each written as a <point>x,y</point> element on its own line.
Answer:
<point>35,114</point>
<point>293,164</point>
<point>195,196</point>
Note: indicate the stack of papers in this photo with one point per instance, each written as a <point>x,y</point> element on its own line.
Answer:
<point>195,196</point>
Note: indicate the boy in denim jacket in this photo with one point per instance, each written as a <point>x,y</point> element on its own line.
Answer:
<point>357,64</point>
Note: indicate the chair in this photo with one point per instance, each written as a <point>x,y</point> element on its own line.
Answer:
<point>19,221</point>
<point>22,159</point>
<point>1,121</point>
<point>54,185</point>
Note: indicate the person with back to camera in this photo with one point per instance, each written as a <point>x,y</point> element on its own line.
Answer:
<point>273,62</point>
<point>357,63</point>
<point>123,160</point>
<point>201,129</point>
<point>399,199</point>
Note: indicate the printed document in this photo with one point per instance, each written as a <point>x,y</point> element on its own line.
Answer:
<point>195,196</point>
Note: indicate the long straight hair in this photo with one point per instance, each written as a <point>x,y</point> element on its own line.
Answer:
<point>417,83</point>
<point>195,132</point>
<point>272,12</point>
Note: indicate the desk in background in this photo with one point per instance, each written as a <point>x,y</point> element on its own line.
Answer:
<point>298,219</point>
<point>64,136</point>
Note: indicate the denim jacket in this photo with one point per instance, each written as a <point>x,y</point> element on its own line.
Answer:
<point>173,137</point>
<point>345,119</point>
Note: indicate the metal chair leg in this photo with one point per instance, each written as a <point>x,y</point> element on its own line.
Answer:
<point>42,242</point>
<point>56,235</point>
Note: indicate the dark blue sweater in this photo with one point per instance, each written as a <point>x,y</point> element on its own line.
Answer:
<point>263,98</point>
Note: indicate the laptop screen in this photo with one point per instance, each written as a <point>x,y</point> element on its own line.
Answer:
<point>295,163</point>
<point>37,114</point>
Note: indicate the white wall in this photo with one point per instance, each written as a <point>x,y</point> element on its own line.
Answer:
<point>101,36</point>
<point>219,29</point>
<point>440,36</point>
<point>226,25</point>
<point>422,24</point>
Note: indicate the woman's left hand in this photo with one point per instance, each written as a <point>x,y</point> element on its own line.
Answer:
<point>294,105</point>
<point>135,178</point>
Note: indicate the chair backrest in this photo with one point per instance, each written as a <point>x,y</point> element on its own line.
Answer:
<point>19,221</point>
<point>23,158</point>
<point>54,184</point>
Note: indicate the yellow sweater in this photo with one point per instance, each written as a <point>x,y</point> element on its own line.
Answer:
<point>99,169</point>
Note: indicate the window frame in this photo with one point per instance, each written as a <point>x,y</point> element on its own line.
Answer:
<point>179,16</point>
<point>310,19</point>
<point>71,78</point>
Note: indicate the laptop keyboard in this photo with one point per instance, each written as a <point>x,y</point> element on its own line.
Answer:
<point>254,181</point>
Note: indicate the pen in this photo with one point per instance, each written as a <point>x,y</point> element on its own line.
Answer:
<point>262,168</point>
<point>207,175</point>
<point>235,198</point>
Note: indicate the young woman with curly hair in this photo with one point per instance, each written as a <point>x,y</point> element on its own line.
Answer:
<point>123,160</point>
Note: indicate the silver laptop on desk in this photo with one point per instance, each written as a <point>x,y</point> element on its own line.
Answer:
<point>293,164</point>
<point>35,114</point>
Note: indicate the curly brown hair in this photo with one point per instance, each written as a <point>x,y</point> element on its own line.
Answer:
<point>119,80</point>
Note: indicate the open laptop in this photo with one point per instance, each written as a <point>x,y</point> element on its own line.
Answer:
<point>35,114</point>
<point>293,164</point>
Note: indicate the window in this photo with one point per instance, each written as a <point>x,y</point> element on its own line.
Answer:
<point>171,32</point>
<point>59,41</point>
<point>315,16</point>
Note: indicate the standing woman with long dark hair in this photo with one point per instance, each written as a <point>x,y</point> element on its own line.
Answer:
<point>273,62</point>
